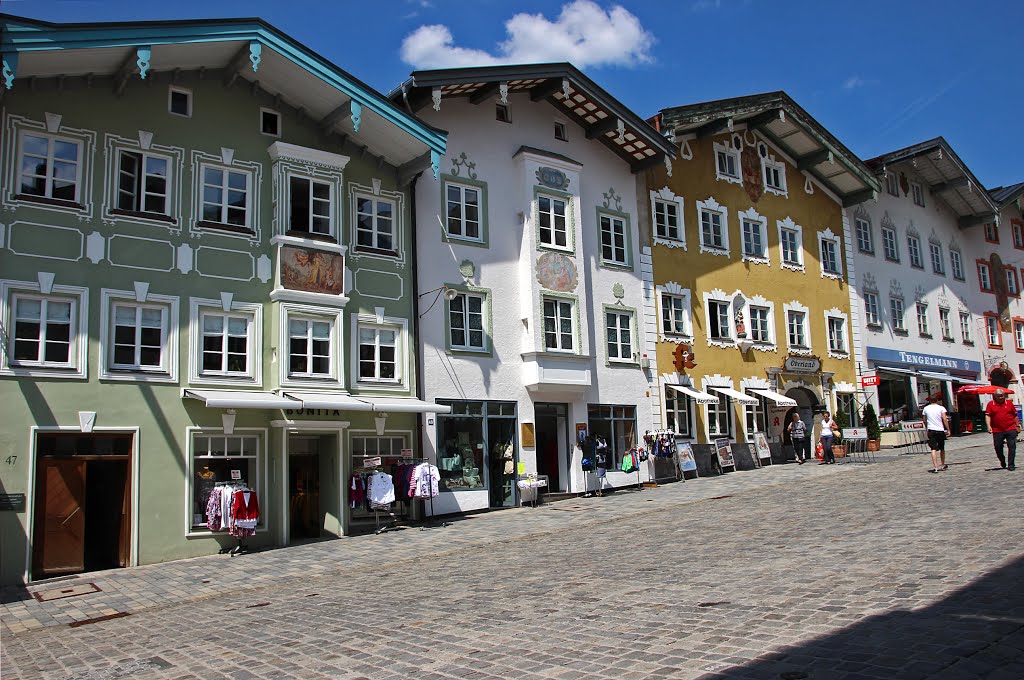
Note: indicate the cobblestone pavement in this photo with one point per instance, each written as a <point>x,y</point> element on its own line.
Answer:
<point>848,571</point>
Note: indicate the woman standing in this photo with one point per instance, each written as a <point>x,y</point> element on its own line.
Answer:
<point>827,427</point>
<point>798,434</point>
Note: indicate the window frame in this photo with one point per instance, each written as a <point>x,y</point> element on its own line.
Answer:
<point>614,216</point>
<point>78,351</point>
<point>375,250</point>
<point>841,350</point>
<point>865,235</point>
<point>200,307</point>
<point>1017,233</point>
<point>917,193</point>
<point>827,238</point>
<point>729,152</point>
<point>945,323</point>
<point>398,327</point>
<point>966,334</point>
<point>956,264</point>
<point>1012,281</point>
<point>712,207</point>
<point>574,320</point>
<point>718,297</point>
<point>769,318</point>
<point>168,370</point>
<point>788,226</point>
<point>752,217</point>
<point>666,196</point>
<point>714,413</point>
<point>938,259</point>
<point>140,192</point>
<point>893,241</point>
<point>463,184</point>
<point>335,318</point>
<point>614,455</point>
<point>261,462</point>
<point>47,197</point>
<point>561,131</point>
<point>991,235</point>
<point>892,184</point>
<point>1018,333</point>
<point>171,90</point>
<point>672,398</point>
<point>673,291</point>
<point>250,193</point>
<point>467,292</point>
<point>794,307</point>
<point>984,275</point>
<point>332,202</point>
<point>914,251</point>
<point>873,318</point>
<point>992,322</point>
<point>280,120</point>
<point>898,320</point>
<point>569,217</point>
<point>921,314</point>
<point>769,165</point>
<point>621,312</point>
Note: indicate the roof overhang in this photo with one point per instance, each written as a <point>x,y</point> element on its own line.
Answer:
<point>781,121</point>
<point>1003,196</point>
<point>947,177</point>
<point>562,85</point>
<point>41,55</point>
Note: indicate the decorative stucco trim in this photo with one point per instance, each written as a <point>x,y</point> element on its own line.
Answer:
<point>836,313</point>
<point>788,223</point>
<point>398,218</point>
<point>718,295</point>
<point>824,237</point>
<point>666,195</point>
<point>169,372</point>
<point>751,215</point>
<point>79,350</point>
<point>795,306</point>
<point>735,154</point>
<point>227,304</point>
<point>711,205</point>
<point>769,161</point>
<point>760,301</point>
<point>673,288</point>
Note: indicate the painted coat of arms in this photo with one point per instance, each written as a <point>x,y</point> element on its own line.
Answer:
<point>313,271</point>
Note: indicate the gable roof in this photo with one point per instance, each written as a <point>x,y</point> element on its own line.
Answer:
<point>947,177</point>
<point>245,50</point>
<point>1004,195</point>
<point>786,125</point>
<point>602,116</point>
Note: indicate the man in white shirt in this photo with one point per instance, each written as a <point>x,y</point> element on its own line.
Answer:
<point>937,423</point>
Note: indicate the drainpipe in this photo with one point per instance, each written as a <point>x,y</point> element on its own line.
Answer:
<point>415,307</point>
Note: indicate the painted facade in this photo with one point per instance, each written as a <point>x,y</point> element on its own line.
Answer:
<point>205,247</point>
<point>529,271</point>
<point>915,282</point>
<point>749,245</point>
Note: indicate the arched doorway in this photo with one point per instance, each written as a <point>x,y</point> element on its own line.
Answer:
<point>805,403</point>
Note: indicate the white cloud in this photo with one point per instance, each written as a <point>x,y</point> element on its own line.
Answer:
<point>583,34</point>
<point>853,82</point>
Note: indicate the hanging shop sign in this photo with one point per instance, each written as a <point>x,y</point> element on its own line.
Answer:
<point>406,453</point>
<point>724,452</point>
<point>802,365</point>
<point>526,435</point>
<point>371,462</point>
<point>855,433</point>
<point>684,452</point>
<point>870,381</point>
<point>236,475</point>
<point>916,359</point>
<point>761,444</point>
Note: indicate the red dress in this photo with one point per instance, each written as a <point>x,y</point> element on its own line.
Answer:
<point>245,513</point>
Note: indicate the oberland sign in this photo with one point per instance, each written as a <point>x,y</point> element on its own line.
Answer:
<point>896,356</point>
<point>802,365</point>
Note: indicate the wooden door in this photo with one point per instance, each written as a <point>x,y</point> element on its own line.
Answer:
<point>124,539</point>
<point>59,532</point>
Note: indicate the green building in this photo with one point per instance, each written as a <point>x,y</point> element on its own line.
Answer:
<point>206,279</point>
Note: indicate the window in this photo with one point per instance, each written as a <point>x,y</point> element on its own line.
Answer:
<point>837,334</point>
<point>1018,334</point>
<point>225,344</point>
<point>561,133</point>
<point>753,239</point>
<point>957,264</point>
<point>727,163</point>
<point>718,320</point>
<point>179,101</point>
<point>947,331</point>
<point>829,256</point>
<point>378,353</point>
<point>310,206</point>
<point>678,409</point>
<point>214,458</point>
<point>139,337</point>
<point>720,417</point>
<point>896,311</point>
<point>552,222</point>
<point>938,264</point>
<point>617,425</point>
<point>890,244</point>
<point>375,225</point>
<point>619,335</point>
<point>225,197</point>
<point>847,403</point>
<point>993,334</point>
<point>892,184</point>
<point>922,320</point>
<point>760,324</point>
<point>871,312</point>
<point>1017,227</point>
<point>466,322</point>
<point>559,320</point>
<point>796,322</point>
<point>270,122</point>
<point>865,242</point>
<point>984,276</point>
<point>468,440</point>
<point>965,328</point>
<point>502,113</point>
<point>45,331</point>
<point>614,241</point>
<point>712,232</point>
<point>774,176</point>
<point>50,167</point>
<point>310,347</point>
<point>675,314</point>
<point>1012,285</point>
<point>918,193</point>
<point>914,248</point>
<point>666,220</point>
<point>992,232</point>
<point>755,416</point>
<point>789,240</point>
<point>143,183</point>
<point>463,206</point>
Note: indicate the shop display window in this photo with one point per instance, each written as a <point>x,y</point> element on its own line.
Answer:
<point>214,458</point>
<point>617,424</point>
<point>476,448</point>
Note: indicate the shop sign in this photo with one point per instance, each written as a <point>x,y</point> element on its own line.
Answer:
<point>802,364</point>
<point>406,453</point>
<point>313,412</point>
<point>761,445</point>
<point>894,356</point>
<point>12,502</point>
<point>912,426</point>
<point>684,452</point>
<point>724,452</point>
<point>236,475</point>
<point>371,462</point>
<point>870,381</point>
<point>855,433</point>
<point>526,435</point>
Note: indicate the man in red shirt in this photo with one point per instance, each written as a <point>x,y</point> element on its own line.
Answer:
<point>1001,419</point>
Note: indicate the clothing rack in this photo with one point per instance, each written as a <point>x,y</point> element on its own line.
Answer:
<point>671,434</point>
<point>392,524</point>
<point>240,547</point>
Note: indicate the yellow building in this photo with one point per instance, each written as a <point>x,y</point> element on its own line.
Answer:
<point>747,271</point>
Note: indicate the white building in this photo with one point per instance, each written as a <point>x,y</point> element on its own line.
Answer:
<point>529,279</point>
<point>913,279</point>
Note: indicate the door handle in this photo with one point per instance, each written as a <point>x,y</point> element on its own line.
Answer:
<point>68,518</point>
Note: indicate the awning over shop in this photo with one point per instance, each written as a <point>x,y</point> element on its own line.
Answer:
<point>946,377</point>
<point>896,371</point>
<point>780,399</point>
<point>699,397</point>
<point>242,399</point>
<point>744,399</point>
<point>327,400</point>
<point>404,405</point>
<point>347,402</point>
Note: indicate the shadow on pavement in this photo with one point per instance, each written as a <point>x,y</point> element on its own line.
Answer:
<point>977,632</point>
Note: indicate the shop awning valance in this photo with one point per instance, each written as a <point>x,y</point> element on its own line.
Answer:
<point>744,399</point>
<point>699,397</point>
<point>780,399</point>
<point>896,371</point>
<point>242,399</point>
<point>937,376</point>
<point>405,405</point>
<point>328,400</point>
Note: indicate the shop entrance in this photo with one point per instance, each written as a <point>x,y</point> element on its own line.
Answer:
<point>82,514</point>
<point>552,423</point>
<point>313,487</point>
<point>805,403</point>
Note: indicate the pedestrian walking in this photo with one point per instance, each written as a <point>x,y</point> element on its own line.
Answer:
<point>798,435</point>
<point>1002,421</point>
<point>936,421</point>
<point>828,427</point>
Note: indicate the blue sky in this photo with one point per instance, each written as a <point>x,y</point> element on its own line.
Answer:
<point>879,74</point>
